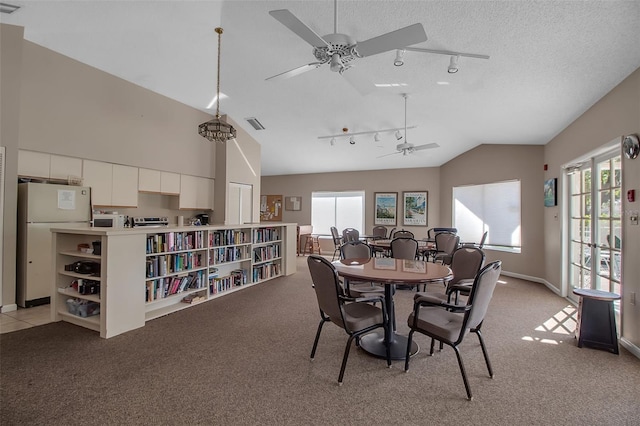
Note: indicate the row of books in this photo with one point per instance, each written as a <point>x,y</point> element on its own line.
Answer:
<point>265,271</point>
<point>264,235</point>
<point>261,254</point>
<point>228,237</point>
<point>174,241</point>
<point>236,278</point>
<point>228,254</point>
<point>164,287</point>
<point>164,264</point>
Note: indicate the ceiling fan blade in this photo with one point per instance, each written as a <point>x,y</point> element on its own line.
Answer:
<point>426,146</point>
<point>290,21</point>
<point>295,71</point>
<point>386,155</point>
<point>397,39</point>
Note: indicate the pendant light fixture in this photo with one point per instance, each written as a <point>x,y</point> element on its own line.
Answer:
<point>217,130</point>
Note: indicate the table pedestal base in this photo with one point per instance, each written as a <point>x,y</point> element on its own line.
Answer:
<point>373,344</point>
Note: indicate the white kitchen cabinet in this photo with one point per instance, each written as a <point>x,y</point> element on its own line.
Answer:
<point>148,180</point>
<point>33,164</point>
<point>62,167</point>
<point>196,192</point>
<point>111,184</point>
<point>170,183</point>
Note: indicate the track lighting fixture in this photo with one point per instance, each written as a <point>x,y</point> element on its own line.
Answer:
<point>399,55</point>
<point>453,65</point>
<point>398,135</point>
<point>376,137</point>
<point>333,141</point>
<point>352,140</point>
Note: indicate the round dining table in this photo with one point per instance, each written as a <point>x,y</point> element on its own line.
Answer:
<point>390,272</point>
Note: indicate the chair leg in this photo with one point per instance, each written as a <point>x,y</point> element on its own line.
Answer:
<point>315,342</point>
<point>408,354</point>
<point>484,352</point>
<point>432,345</point>
<point>463,372</point>
<point>344,359</point>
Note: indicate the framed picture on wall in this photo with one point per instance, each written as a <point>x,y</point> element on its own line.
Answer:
<point>385,208</point>
<point>293,203</point>
<point>415,208</point>
<point>550,194</point>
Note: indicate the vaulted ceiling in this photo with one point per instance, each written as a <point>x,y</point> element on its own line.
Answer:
<point>549,61</point>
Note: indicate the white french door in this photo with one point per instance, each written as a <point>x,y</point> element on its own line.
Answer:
<point>595,210</point>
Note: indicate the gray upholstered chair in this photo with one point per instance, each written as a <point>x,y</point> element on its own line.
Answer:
<point>350,234</point>
<point>379,232</point>
<point>358,250</point>
<point>480,244</point>
<point>337,242</point>
<point>356,316</point>
<point>446,244</point>
<point>449,323</point>
<point>403,234</point>
<point>404,248</point>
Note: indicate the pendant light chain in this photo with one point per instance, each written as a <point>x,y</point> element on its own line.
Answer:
<point>219,31</point>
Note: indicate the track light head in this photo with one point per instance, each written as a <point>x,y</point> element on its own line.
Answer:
<point>333,141</point>
<point>376,137</point>
<point>398,135</point>
<point>352,140</point>
<point>453,65</point>
<point>399,55</point>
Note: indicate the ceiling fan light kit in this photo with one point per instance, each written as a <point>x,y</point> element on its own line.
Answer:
<point>217,130</point>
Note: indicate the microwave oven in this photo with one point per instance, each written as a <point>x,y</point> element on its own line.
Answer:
<point>109,220</point>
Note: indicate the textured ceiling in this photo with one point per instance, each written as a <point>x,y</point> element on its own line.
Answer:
<point>549,62</point>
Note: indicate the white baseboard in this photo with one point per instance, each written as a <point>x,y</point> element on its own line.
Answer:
<point>535,280</point>
<point>630,347</point>
<point>8,308</point>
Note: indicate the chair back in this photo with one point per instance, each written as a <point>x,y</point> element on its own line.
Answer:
<point>447,242</point>
<point>355,250</point>
<point>403,234</point>
<point>350,234</point>
<point>483,239</point>
<point>392,233</point>
<point>380,232</point>
<point>481,294</point>
<point>466,262</point>
<point>335,235</point>
<point>404,248</point>
<point>327,287</point>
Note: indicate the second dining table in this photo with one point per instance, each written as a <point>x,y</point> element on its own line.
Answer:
<point>390,272</point>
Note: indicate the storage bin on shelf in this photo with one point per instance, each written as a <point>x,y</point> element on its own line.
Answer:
<point>83,308</point>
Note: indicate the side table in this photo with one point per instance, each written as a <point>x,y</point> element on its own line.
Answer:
<point>596,325</point>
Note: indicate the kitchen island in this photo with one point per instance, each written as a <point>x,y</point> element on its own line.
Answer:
<point>115,280</point>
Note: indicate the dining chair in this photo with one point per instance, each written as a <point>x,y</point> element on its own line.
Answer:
<point>403,234</point>
<point>379,232</point>
<point>356,317</point>
<point>446,244</point>
<point>404,248</point>
<point>450,323</point>
<point>350,234</point>
<point>337,242</point>
<point>480,244</point>
<point>358,250</point>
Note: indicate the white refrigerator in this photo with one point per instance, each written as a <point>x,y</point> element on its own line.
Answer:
<point>42,207</point>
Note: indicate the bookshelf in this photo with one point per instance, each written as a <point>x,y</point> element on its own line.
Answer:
<point>149,273</point>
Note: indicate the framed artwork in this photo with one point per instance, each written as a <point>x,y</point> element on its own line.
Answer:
<point>386,208</point>
<point>293,203</point>
<point>415,208</point>
<point>550,194</point>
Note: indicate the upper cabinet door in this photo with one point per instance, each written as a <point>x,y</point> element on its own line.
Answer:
<point>124,192</point>
<point>98,176</point>
<point>149,180</point>
<point>170,183</point>
<point>33,164</point>
<point>65,167</point>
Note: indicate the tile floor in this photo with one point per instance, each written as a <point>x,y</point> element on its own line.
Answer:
<point>25,318</point>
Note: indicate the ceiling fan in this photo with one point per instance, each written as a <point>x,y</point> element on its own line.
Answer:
<point>406,147</point>
<point>340,50</point>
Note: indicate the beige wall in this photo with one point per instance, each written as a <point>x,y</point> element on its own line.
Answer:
<point>398,180</point>
<point>496,163</point>
<point>70,108</point>
<point>11,63</point>
<point>615,115</point>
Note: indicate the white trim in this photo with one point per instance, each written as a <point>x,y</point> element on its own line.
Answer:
<point>550,286</point>
<point>8,308</point>
<point>635,350</point>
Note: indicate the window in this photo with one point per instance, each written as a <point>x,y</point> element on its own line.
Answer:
<point>339,209</point>
<point>493,207</point>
